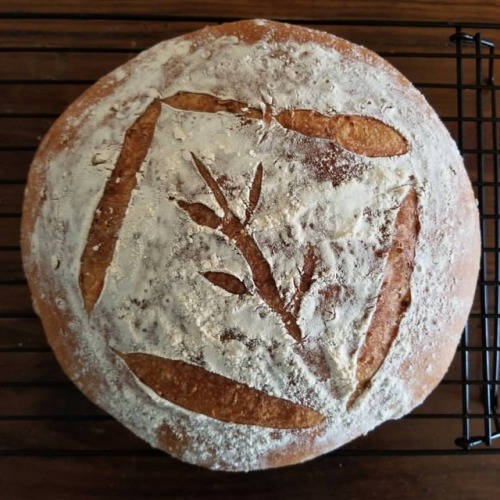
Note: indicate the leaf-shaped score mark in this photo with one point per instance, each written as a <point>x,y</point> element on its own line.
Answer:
<point>255,191</point>
<point>226,281</point>
<point>306,279</point>
<point>206,103</point>
<point>358,134</point>
<point>200,391</point>
<point>201,214</point>
<point>394,297</point>
<point>362,135</point>
<point>110,212</point>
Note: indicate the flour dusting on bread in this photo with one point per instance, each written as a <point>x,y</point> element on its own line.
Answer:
<point>232,198</point>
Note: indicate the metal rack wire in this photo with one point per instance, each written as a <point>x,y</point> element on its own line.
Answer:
<point>490,347</point>
<point>477,130</point>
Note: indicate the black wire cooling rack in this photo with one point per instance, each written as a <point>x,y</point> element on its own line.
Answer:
<point>469,393</point>
<point>487,191</point>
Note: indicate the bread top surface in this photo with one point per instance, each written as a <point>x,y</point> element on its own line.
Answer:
<point>310,144</point>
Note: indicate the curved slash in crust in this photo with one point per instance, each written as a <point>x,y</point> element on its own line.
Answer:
<point>227,281</point>
<point>110,212</point>
<point>362,135</point>
<point>201,214</point>
<point>394,297</point>
<point>254,197</point>
<point>306,279</point>
<point>206,103</point>
<point>198,390</point>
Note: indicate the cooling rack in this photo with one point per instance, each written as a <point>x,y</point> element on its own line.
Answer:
<point>48,60</point>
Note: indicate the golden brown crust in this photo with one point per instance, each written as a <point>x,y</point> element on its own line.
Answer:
<point>384,142</point>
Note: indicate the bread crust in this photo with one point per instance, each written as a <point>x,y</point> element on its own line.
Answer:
<point>419,372</point>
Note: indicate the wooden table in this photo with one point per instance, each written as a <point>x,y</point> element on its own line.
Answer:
<point>54,444</point>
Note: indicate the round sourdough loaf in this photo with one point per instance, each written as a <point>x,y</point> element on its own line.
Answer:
<point>251,244</point>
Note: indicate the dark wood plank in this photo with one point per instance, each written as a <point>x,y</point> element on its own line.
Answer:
<point>47,434</point>
<point>43,402</point>
<point>11,197</point>
<point>10,266</point>
<point>14,165</point>
<point>410,434</point>
<point>22,131</point>
<point>447,400</point>
<point>39,367</point>
<point>125,477</point>
<point>125,34</point>
<point>288,9</point>
<point>15,299</point>
<point>26,333</point>
<point>36,99</point>
<point>9,231</point>
<point>98,435</point>
<point>393,39</point>
<point>53,66</point>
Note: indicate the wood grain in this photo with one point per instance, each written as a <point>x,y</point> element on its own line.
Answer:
<point>14,165</point>
<point>30,99</point>
<point>284,9</point>
<point>44,402</point>
<point>84,435</point>
<point>54,66</point>
<point>39,367</point>
<point>72,34</point>
<point>22,333</point>
<point>19,132</point>
<point>99,34</point>
<point>67,434</point>
<point>11,267</point>
<point>133,477</point>
<point>9,231</point>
